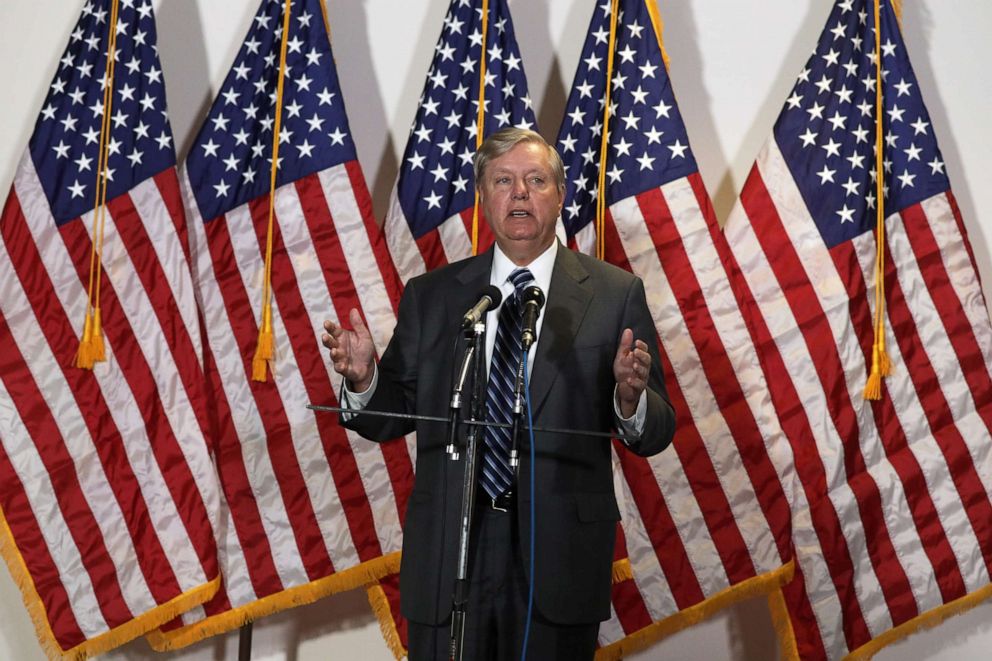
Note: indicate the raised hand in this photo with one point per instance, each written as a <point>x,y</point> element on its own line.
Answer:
<point>352,351</point>
<point>631,367</point>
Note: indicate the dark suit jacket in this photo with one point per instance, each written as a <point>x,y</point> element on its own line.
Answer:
<point>588,306</point>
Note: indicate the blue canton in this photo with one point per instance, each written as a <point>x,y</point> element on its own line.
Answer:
<point>826,132</point>
<point>648,145</point>
<point>65,144</point>
<point>436,179</point>
<point>230,162</point>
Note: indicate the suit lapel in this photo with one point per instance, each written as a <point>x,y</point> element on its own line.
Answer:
<point>470,280</point>
<point>566,307</point>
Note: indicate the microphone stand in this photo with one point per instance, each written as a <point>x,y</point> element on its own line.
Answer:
<point>477,413</point>
<point>518,414</point>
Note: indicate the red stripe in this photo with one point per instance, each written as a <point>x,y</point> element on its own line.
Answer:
<point>963,231</point>
<point>931,532</point>
<point>764,478</point>
<point>311,363</point>
<point>46,436</point>
<point>788,405</point>
<point>140,378</point>
<point>629,606</point>
<point>278,437</point>
<point>956,323</point>
<point>167,183</point>
<point>940,415</point>
<point>391,588</point>
<point>377,238</point>
<point>723,385</point>
<point>244,512</point>
<point>661,529</point>
<point>805,627</point>
<point>431,250</point>
<point>159,291</point>
<point>820,343</point>
<point>86,394</point>
<point>486,237</point>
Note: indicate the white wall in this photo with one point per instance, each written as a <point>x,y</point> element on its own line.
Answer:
<point>733,62</point>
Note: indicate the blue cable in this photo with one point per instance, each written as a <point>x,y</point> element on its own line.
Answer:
<point>530,588</point>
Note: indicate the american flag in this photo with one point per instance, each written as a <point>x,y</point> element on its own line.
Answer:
<point>109,498</point>
<point>891,524</point>
<point>694,525</point>
<point>430,216</point>
<point>309,509</point>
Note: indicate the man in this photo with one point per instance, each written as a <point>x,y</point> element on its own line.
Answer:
<point>593,366</point>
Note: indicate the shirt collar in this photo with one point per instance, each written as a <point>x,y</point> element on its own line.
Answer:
<point>540,268</point>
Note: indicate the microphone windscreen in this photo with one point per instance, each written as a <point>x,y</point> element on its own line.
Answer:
<point>533,294</point>
<point>494,294</point>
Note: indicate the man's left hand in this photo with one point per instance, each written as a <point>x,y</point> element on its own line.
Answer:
<point>630,369</point>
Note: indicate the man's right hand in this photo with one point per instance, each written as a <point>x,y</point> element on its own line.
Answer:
<point>352,351</point>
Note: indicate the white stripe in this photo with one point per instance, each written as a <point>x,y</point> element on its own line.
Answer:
<point>244,413</point>
<point>402,246</point>
<point>48,517</point>
<point>316,300</point>
<point>123,407</point>
<point>455,240</point>
<point>960,272</point>
<point>159,224</point>
<point>234,565</point>
<point>610,631</point>
<point>648,574</point>
<point>585,239</point>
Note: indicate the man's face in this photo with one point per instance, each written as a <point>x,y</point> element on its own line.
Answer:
<point>521,201</point>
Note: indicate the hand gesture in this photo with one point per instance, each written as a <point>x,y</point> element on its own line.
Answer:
<point>352,351</point>
<point>630,369</point>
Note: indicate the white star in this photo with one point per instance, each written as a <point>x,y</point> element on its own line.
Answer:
<point>135,158</point>
<point>573,209</point>
<point>164,141</point>
<point>325,97</point>
<point>851,68</point>
<point>222,189</point>
<point>846,215</point>
<point>615,174</point>
<point>294,45</point>
<point>906,179</point>
<point>856,161</point>
<point>826,174</point>
<point>824,84</point>
<point>313,57</point>
<point>114,146</point>
<point>936,166</point>
<point>646,162</point>
<point>304,19</point>
<point>576,115</point>
<point>568,144</point>
<point>210,149</point>
<point>919,126</point>
<point>230,97</point>
<point>423,134</point>
<point>627,54</point>
<point>68,123</point>
<point>602,35</point>
<point>816,111</point>
<point>623,147</point>
<point>654,135</point>
<point>831,57</point>
<point>83,162</point>
<point>97,107</point>
<point>647,70</point>
<point>337,138</point>
<point>913,153</point>
<point>888,48</point>
<point>303,82</point>
<point>593,62</point>
<point>77,96</point>
<point>306,149</point>
<point>639,94</point>
<point>154,75</point>
<point>127,92</point>
<point>61,150</point>
<point>220,122</point>
<point>440,172</point>
<point>147,102</point>
<point>838,31</point>
<point>460,184</point>
<point>832,148</point>
<point>630,120</point>
<point>77,189</point>
<point>844,94</point>
<point>837,121</point>
<point>860,134</point>
<point>808,138</point>
<point>895,114</point>
<point>794,100</point>
<point>433,200</point>
<point>48,112</point>
<point>865,108</point>
<point>850,186</point>
<point>119,119</point>
<point>678,149</point>
<point>92,135</point>
<point>512,62</point>
<point>293,109</point>
<point>141,130</point>
<point>903,87</point>
<point>662,109</point>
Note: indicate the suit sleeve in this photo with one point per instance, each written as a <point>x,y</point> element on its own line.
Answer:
<point>659,423</point>
<point>396,390</point>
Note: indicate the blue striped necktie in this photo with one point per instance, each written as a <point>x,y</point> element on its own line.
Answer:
<point>497,475</point>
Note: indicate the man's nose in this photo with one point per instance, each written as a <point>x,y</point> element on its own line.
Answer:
<point>520,191</point>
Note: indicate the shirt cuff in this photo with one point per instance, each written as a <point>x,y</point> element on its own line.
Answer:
<point>357,401</point>
<point>634,425</point>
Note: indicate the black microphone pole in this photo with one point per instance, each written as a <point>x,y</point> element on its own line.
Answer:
<point>533,301</point>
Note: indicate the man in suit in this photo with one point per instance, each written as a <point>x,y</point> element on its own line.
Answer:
<point>594,367</point>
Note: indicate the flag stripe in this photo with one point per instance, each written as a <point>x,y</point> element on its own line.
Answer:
<point>309,547</point>
<point>31,542</point>
<point>63,482</point>
<point>170,193</point>
<point>312,370</point>
<point>757,203</point>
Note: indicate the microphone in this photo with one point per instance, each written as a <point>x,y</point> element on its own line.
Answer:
<point>533,299</point>
<point>489,297</point>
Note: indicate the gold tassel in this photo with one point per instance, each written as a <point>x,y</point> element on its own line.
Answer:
<point>84,355</point>
<point>97,351</point>
<point>884,362</point>
<point>265,351</point>
<point>873,388</point>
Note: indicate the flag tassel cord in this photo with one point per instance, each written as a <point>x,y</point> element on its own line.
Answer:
<point>265,349</point>
<point>881,365</point>
<point>605,138</point>
<point>480,120</point>
<point>91,345</point>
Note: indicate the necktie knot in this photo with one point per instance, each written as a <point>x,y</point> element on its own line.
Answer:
<point>520,279</point>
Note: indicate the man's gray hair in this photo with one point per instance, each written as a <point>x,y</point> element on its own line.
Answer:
<point>506,139</point>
